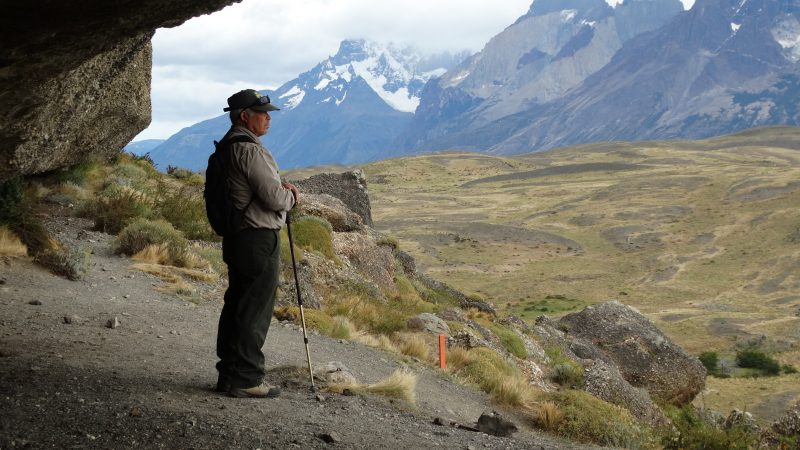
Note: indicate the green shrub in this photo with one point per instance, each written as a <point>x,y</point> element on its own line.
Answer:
<point>68,261</point>
<point>186,176</point>
<point>710,361</point>
<point>756,359</point>
<point>788,369</point>
<point>18,213</point>
<point>388,241</point>
<point>510,340</point>
<point>78,174</point>
<point>690,430</point>
<point>564,370</point>
<point>143,232</point>
<point>114,212</point>
<point>286,255</point>
<point>185,209</point>
<point>130,171</point>
<point>591,420</point>
<point>487,369</point>
<point>313,233</point>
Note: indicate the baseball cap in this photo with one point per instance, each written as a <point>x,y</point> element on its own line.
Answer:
<point>250,98</point>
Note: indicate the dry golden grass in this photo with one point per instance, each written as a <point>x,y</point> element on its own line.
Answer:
<point>401,384</point>
<point>516,392</point>
<point>10,245</point>
<point>163,255</point>
<point>413,345</point>
<point>547,415</point>
<point>457,358</point>
<point>342,328</point>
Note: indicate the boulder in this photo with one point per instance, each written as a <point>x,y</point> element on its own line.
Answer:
<point>76,79</point>
<point>788,425</point>
<point>349,187</point>
<point>335,372</point>
<point>332,209</point>
<point>645,357</point>
<point>605,382</point>
<point>429,323</point>
<point>466,340</point>
<point>495,424</point>
<point>374,261</point>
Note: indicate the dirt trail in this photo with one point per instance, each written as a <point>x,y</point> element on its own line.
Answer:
<point>148,383</point>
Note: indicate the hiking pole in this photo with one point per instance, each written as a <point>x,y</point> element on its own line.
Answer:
<point>299,299</point>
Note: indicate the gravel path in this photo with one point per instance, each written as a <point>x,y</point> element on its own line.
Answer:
<point>148,382</point>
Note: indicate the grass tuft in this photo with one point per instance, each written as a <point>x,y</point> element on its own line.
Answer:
<point>413,345</point>
<point>10,244</point>
<point>68,261</point>
<point>313,233</point>
<point>547,416</point>
<point>400,385</point>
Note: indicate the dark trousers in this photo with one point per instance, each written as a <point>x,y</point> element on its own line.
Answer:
<point>253,259</point>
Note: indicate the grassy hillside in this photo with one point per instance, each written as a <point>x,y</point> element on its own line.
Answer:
<point>701,236</point>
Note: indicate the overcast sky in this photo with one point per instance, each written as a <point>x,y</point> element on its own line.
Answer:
<point>262,44</point>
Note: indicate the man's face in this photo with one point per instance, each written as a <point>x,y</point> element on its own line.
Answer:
<point>256,121</point>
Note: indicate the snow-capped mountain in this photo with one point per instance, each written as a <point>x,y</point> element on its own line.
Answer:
<point>542,56</point>
<point>348,108</point>
<point>566,77</point>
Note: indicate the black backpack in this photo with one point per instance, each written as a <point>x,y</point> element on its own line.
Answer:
<point>224,218</point>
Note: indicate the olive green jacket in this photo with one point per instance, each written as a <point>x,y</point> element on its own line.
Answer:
<point>255,183</point>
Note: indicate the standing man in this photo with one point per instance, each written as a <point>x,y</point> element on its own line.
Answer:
<point>252,252</point>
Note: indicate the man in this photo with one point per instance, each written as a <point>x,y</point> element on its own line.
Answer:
<point>252,252</point>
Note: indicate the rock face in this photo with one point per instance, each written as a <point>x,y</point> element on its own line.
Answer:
<point>76,77</point>
<point>349,187</point>
<point>645,357</point>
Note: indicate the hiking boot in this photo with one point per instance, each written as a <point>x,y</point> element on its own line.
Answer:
<point>264,390</point>
<point>223,384</point>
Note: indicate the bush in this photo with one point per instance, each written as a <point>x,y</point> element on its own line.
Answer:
<point>67,261</point>
<point>710,361</point>
<point>143,232</point>
<point>487,369</point>
<point>186,176</point>
<point>756,359</point>
<point>588,419</point>
<point>18,214</point>
<point>314,234</point>
<point>78,174</point>
<point>113,212</point>
<point>510,340</point>
<point>690,430</point>
<point>185,209</point>
<point>10,244</point>
<point>564,370</point>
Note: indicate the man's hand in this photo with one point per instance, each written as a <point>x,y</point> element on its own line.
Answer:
<point>293,188</point>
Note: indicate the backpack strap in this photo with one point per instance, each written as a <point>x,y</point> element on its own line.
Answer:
<point>222,147</point>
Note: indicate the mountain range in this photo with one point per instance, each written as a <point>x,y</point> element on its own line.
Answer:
<point>566,72</point>
<point>344,110</point>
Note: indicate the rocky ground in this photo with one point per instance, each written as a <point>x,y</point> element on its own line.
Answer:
<point>68,380</point>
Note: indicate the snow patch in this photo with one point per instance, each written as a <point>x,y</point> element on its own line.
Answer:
<point>568,14</point>
<point>787,35</point>
<point>735,27</point>
<point>323,83</point>
<point>339,102</point>
<point>295,95</point>
<point>454,81</point>
<point>587,22</point>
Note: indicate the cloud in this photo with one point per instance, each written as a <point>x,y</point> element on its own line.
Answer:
<point>265,43</point>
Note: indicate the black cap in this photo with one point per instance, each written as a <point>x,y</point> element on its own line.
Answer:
<point>252,99</point>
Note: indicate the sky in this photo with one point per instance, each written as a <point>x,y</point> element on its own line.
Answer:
<point>262,44</point>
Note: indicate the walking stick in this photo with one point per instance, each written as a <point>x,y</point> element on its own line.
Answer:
<point>299,299</point>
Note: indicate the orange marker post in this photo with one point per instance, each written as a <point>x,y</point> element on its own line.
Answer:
<point>442,358</point>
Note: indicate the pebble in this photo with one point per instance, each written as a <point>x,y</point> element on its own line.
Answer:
<point>126,296</point>
<point>70,319</point>
<point>35,302</point>
<point>320,398</point>
<point>331,437</point>
<point>112,323</point>
<point>135,412</point>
